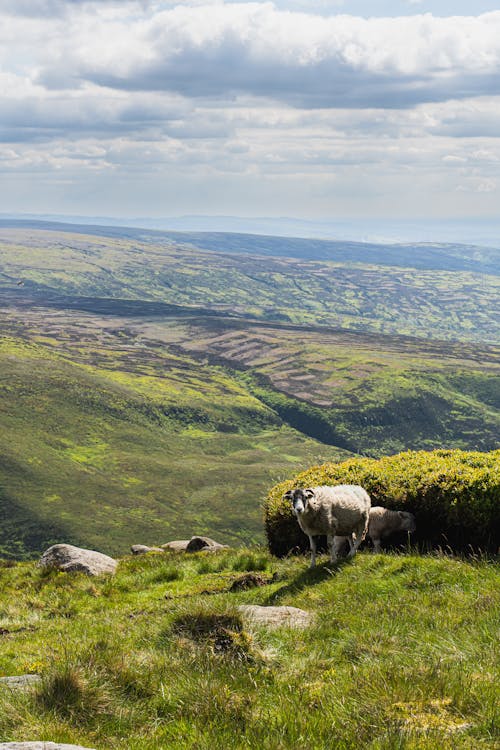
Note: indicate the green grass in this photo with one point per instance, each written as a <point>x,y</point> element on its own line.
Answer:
<point>403,654</point>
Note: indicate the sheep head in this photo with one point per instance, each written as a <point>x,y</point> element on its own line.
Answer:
<point>299,499</point>
<point>407,521</point>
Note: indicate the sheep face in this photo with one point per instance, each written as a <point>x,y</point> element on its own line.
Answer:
<point>407,521</point>
<point>299,499</point>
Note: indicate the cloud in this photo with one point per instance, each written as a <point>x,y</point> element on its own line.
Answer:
<point>305,60</point>
<point>198,107</point>
<point>50,8</point>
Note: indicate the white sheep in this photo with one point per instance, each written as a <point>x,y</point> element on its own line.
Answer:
<point>342,510</point>
<point>384,522</point>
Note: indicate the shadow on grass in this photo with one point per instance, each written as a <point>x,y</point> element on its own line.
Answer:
<point>308,577</point>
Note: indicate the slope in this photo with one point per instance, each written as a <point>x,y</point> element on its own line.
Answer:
<point>111,455</point>
<point>403,653</point>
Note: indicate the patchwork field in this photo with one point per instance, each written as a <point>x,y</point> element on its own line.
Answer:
<point>354,294</point>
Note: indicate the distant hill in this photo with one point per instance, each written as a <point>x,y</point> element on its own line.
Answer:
<point>360,288</point>
<point>429,256</point>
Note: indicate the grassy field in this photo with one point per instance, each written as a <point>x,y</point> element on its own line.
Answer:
<point>403,654</point>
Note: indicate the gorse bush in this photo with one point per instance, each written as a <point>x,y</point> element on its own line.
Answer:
<point>455,496</point>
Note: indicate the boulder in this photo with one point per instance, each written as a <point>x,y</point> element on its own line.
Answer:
<point>21,682</point>
<point>40,746</point>
<point>176,546</point>
<point>197,543</point>
<point>68,558</point>
<point>142,549</point>
<point>276,617</point>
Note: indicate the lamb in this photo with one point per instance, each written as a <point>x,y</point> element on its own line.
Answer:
<point>342,510</point>
<point>384,522</point>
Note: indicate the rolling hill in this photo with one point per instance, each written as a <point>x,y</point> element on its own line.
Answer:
<point>151,391</point>
<point>355,288</point>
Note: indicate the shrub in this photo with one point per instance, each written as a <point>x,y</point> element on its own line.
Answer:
<point>455,496</point>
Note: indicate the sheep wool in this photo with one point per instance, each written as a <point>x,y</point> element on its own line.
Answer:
<point>384,522</point>
<point>342,510</point>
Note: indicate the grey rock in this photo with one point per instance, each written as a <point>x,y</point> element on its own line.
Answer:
<point>276,617</point>
<point>197,543</point>
<point>142,549</point>
<point>21,682</point>
<point>214,547</point>
<point>179,545</point>
<point>68,558</point>
<point>40,746</point>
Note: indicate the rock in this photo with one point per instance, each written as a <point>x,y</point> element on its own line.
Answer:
<point>214,547</point>
<point>40,746</point>
<point>69,559</point>
<point>177,546</point>
<point>21,682</point>
<point>276,617</point>
<point>197,543</point>
<point>142,549</point>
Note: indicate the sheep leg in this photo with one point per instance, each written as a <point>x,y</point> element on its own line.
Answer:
<point>312,543</point>
<point>356,538</point>
<point>337,544</point>
<point>376,545</point>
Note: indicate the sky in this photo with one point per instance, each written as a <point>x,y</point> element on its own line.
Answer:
<point>305,108</point>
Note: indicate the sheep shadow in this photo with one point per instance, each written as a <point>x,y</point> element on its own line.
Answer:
<point>308,577</point>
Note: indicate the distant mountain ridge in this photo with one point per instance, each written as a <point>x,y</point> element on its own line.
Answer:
<point>482,231</point>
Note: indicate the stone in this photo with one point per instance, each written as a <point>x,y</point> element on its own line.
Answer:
<point>179,545</point>
<point>142,549</point>
<point>197,543</point>
<point>21,682</point>
<point>68,558</point>
<point>276,617</point>
<point>40,746</point>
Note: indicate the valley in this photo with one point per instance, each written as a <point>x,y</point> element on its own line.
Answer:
<point>135,410</point>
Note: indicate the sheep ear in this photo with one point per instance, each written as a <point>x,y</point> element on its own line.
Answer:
<point>309,492</point>
<point>287,495</point>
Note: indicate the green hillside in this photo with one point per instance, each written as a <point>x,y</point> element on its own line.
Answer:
<point>403,654</point>
<point>428,302</point>
<point>107,457</point>
<point>118,431</point>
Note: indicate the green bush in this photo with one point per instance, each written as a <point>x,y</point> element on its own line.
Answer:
<point>455,496</point>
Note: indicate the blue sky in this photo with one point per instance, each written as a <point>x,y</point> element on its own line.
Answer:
<point>305,108</point>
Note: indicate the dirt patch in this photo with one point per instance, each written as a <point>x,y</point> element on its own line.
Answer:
<point>249,581</point>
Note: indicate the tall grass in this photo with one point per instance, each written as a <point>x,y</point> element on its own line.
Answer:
<point>403,653</point>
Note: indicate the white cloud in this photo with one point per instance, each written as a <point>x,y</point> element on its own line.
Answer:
<point>303,59</point>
